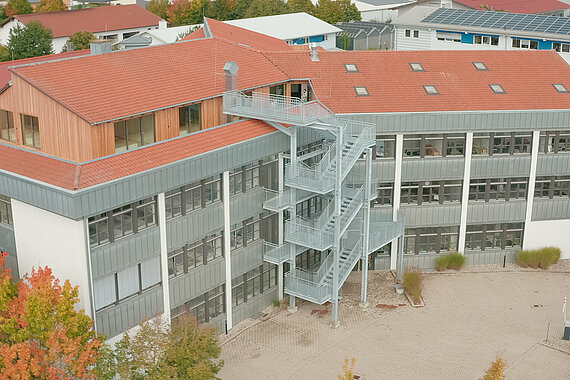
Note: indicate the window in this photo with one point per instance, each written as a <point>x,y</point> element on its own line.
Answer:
<point>448,37</point>
<point>122,221</point>
<point>524,44</point>
<point>410,33</point>
<point>278,90</point>
<point>253,283</point>
<point>204,308</point>
<point>495,189</point>
<point>190,119</point>
<point>431,240</point>
<point>385,193</point>
<point>5,210</point>
<point>497,89</point>
<point>310,207</point>
<point>431,192</point>
<point>134,280</point>
<point>385,146</point>
<point>351,68</point>
<point>129,34</point>
<point>552,187</point>
<point>481,143</point>
<point>431,90</point>
<point>560,88</point>
<point>30,131</point>
<point>7,131</point>
<point>434,145</point>
<point>133,133</point>
<point>361,91</point>
<point>561,47</point>
<point>194,255</point>
<point>308,259</point>
<point>486,40</point>
<point>417,67</point>
<point>554,142</point>
<point>480,66</point>
<point>183,200</point>
<point>236,181</point>
<point>212,191</point>
<point>493,236</point>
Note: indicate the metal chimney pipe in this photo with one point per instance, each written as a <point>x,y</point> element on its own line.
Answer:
<point>230,69</point>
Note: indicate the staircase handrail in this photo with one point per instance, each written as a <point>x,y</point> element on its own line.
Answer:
<point>355,203</point>
<point>325,267</point>
<point>347,265</point>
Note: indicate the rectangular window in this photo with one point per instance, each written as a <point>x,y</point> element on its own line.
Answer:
<point>552,187</point>
<point>486,40</point>
<point>524,44</point>
<point>431,240</point>
<point>409,192</point>
<point>190,119</point>
<point>212,191</point>
<point>146,213</point>
<point>278,90</point>
<point>251,176</point>
<point>561,48</point>
<point>236,236</point>
<point>385,146</point>
<point>449,37</point>
<point>7,131</point>
<point>204,307</point>
<point>30,131</point>
<point>434,145</point>
<point>481,143</point>
<point>133,133</point>
<point>385,193</point>
<point>498,189</point>
<point>497,89</point>
<point>6,210</point>
<point>236,181</point>
<point>412,145</point>
<point>554,142</point>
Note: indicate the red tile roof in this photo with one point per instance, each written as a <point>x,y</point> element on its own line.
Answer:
<point>74,176</point>
<point>527,77</point>
<point>119,84</point>
<point>241,36</point>
<point>6,76</point>
<point>98,19</point>
<point>517,6</point>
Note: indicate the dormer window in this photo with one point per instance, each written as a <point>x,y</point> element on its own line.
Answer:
<point>351,68</point>
<point>417,66</point>
<point>560,88</point>
<point>431,90</point>
<point>361,91</point>
<point>480,66</point>
<point>497,89</point>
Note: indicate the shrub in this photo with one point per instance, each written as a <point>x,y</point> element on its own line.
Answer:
<point>413,283</point>
<point>495,372</point>
<point>538,258</point>
<point>453,261</point>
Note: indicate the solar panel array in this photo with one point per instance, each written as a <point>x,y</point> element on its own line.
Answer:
<point>500,20</point>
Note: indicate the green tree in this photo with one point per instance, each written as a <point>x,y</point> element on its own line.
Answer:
<point>3,15</point>
<point>18,7</point>
<point>259,8</point>
<point>186,350</point>
<point>51,6</point>
<point>344,41</point>
<point>79,41</point>
<point>42,336</point>
<point>220,9</point>
<point>187,12</point>
<point>239,9</point>
<point>29,41</point>
<point>301,6</point>
<point>333,11</point>
<point>158,7</point>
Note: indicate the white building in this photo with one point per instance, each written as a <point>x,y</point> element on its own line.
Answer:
<point>380,10</point>
<point>294,28</point>
<point>106,23</point>
<point>156,37</point>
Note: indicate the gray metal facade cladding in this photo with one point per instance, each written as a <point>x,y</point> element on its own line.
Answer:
<point>8,244</point>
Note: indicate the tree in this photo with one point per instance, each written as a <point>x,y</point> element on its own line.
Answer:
<point>239,9</point>
<point>495,372</point>
<point>42,336</point>
<point>344,41</point>
<point>3,15</point>
<point>51,6</point>
<point>29,41</point>
<point>18,7</point>
<point>333,11</point>
<point>186,350</point>
<point>158,7</point>
<point>259,8</point>
<point>301,6</point>
<point>79,41</point>
<point>187,12</point>
<point>220,9</point>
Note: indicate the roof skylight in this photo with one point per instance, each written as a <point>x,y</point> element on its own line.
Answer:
<point>480,66</point>
<point>497,89</point>
<point>351,68</point>
<point>560,87</point>
<point>361,91</point>
<point>417,66</point>
<point>431,90</point>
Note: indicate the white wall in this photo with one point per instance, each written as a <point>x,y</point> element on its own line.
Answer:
<point>44,238</point>
<point>410,43</point>
<point>548,233</point>
<point>5,31</point>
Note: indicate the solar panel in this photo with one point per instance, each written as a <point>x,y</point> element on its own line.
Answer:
<point>500,20</point>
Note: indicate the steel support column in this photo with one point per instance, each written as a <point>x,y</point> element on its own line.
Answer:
<point>293,209</point>
<point>366,227</point>
<point>336,241</point>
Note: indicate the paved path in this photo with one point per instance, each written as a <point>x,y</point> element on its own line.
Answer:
<point>468,319</point>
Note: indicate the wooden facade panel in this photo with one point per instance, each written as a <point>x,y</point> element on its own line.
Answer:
<point>212,114</point>
<point>167,123</point>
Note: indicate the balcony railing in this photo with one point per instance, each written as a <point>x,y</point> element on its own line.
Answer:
<point>306,289</point>
<point>298,232</point>
<point>381,233</point>
<point>282,109</point>
<point>276,201</point>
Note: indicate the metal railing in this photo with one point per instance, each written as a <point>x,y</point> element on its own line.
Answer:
<point>274,200</point>
<point>350,261</point>
<point>299,233</point>
<point>384,232</point>
<point>306,289</point>
<point>351,210</point>
<point>276,107</point>
<point>276,254</point>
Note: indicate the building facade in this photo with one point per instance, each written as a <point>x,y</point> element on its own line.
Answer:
<point>259,171</point>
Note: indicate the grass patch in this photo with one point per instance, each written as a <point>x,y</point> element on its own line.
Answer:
<point>276,303</point>
<point>538,258</point>
<point>413,282</point>
<point>453,261</point>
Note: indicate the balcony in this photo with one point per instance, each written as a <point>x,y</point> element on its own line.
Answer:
<point>277,254</point>
<point>276,201</point>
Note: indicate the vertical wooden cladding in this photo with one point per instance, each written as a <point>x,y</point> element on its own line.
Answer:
<point>62,133</point>
<point>167,123</point>
<point>212,114</point>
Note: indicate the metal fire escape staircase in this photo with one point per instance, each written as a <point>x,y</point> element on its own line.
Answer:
<point>340,226</point>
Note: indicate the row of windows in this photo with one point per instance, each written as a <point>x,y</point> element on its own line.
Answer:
<point>430,192</point>
<point>112,289</point>
<point>194,255</point>
<point>552,187</point>
<point>5,210</point>
<point>30,129</point>
<point>494,189</point>
<point>197,195</point>
<point>412,33</point>
<point>254,282</point>
<point>205,307</point>
<point>245,233</point>
<point>122,221</point>
<point>478,237</point>
<point>433,145</point>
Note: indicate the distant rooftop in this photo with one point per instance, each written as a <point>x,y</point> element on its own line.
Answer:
<point>517,6</point>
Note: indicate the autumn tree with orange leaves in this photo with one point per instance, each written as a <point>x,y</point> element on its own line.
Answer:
<point>42,336</point>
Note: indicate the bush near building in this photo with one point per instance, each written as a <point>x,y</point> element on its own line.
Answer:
<point>538,258</point>
<point>413,282</point>
<point>454,261</point>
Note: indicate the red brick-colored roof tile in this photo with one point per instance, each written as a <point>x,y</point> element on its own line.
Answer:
<point>98,19</point>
